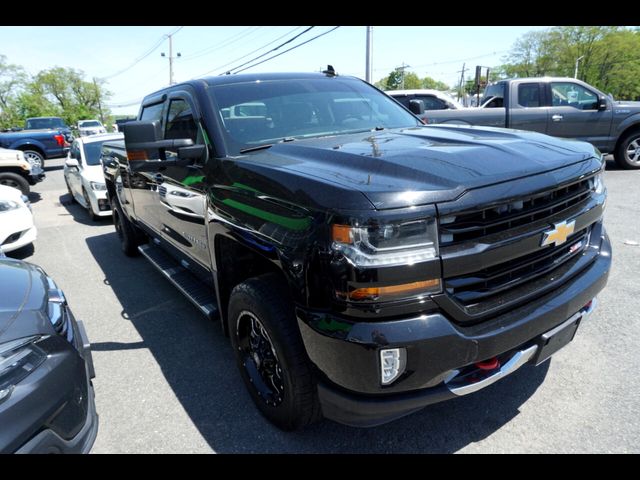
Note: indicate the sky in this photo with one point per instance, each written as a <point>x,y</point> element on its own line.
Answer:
<point>106,52</point>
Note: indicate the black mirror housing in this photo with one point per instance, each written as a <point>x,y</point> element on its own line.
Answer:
<point>416,107</point>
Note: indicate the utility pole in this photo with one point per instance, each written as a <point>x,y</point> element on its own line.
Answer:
<point>369,60</point>
<point>171,58</point>
<point>575,72</point>
<point>95,83</point>
<point>461,81</point>
<point>402,68</point>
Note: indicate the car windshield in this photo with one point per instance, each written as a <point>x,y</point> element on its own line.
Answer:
<point>264,112</point>
<point>90,123</point>
<point>40,123</point>
<point>92,152</point>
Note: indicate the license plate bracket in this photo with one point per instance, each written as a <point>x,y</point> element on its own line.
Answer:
<point>553,340</point>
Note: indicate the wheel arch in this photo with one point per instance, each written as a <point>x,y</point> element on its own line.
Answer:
<point>235,263</point>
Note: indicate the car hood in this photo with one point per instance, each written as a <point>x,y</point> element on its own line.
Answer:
<point>405,167</point>
<point>93,173</point>
<point>10,193</point>
<point>23,303</point>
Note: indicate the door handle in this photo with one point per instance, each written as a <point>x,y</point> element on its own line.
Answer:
<point>557,118</point>
<point>158,178</point>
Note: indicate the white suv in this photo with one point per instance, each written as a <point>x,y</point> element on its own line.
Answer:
<point>90,127</point>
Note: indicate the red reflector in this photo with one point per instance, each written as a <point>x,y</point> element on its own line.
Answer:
<point>588,305</point>
<point>490,364</point>
<point>59,139</point>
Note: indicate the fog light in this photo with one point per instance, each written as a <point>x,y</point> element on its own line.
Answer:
<point>392,364</point>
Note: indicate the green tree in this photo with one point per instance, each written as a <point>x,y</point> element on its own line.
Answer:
<point>394,81</point>
<point>12,81</point>
<point>428,82</point>
<point>608,57</point>
<point>76,98</point>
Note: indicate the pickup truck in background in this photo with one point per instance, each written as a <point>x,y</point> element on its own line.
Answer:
<point>37,145</point>
<point>51,123</point>
<point>364,265</point>
<point>561,107</point>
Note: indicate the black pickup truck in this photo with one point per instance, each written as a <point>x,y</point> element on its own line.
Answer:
<point>363,265</point>
<point>562,107</point>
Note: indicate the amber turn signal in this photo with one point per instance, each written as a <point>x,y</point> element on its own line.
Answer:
<point>403,289</point>
<point>341,233</point>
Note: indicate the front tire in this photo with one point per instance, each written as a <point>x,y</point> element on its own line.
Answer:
<point>92,215</point>
<point>14,180</point>
<point>130,237</point>
<point>627,154</point>
<point>270,354</point>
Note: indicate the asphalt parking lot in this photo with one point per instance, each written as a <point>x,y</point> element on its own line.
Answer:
<point>166,381</point>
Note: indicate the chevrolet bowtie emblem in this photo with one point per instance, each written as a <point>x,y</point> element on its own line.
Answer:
<point>558,234</point>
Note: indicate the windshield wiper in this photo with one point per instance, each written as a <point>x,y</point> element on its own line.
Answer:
<point>268,145</point>
<point>258,147</point>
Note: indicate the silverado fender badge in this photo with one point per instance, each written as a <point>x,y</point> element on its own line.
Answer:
<point>558,234</point>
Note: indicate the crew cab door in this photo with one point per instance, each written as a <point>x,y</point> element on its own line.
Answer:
<point>181,201</point>
<point>527,109</point>
<point>142,183</point>
<point>574,113</point>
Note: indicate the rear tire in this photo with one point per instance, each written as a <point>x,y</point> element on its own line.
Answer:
<point>270,354</point>
<point>627,154</point>
<point>130,236</point>
<point>34,155</point>
<point>14,180</point>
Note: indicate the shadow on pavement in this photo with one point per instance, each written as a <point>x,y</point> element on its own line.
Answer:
<point>79,213</point>
<point>196,360</point>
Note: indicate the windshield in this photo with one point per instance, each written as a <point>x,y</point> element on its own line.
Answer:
<point>40,123</point>
<point>89,123</point>
<point>92,152</point>
<point>264,112</point>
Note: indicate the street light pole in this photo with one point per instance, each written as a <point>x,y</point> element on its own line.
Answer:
<point>369,54</point>
<point>575,73</point>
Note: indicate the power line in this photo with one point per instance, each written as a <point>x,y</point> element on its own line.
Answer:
<point>449,61</point>
<point>217,46</point>
<point>254,51</point>
<point>145,55</point>
<point>288,50</point>
<point>266,53</point>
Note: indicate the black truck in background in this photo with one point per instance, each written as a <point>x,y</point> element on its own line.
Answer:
<point>364,265</point>
<point>561,107</point>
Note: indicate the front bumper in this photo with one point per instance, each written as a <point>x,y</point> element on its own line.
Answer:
<point>53,410</point>
<point>22,230</point>
<point>347,354</point>
<point>99,202</point>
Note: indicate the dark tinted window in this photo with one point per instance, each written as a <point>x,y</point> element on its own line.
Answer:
<point>431,102</point>
<point>180,122</point>
<point>302,108</point>
<point>40,123</point>
<point>152,112</point>
<point>92,153</point>
<point>495,90</point>
<point>529,95</point>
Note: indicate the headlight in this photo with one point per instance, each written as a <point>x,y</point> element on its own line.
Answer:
<point>387,245</point>
<point>597,183</point>
<point>6,205</point>
<point>18,358</point>
<point>95,186</point>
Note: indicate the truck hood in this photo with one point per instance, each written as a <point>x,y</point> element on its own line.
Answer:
<point>23,302</point>
<point>414,166</point>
